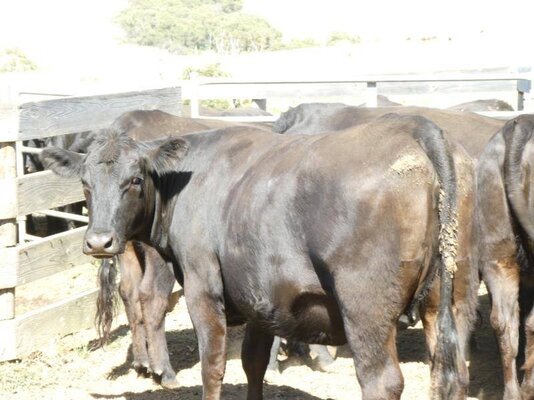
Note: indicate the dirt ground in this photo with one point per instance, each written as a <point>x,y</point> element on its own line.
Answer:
<point>74,371</point>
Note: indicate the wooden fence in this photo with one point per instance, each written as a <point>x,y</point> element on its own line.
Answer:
<point>27,258</point>
<point>431,84</point>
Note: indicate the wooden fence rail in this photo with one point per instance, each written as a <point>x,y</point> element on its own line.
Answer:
<point>24,262</point>
<point>198,89</point>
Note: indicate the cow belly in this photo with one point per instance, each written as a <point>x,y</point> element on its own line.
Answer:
<point>306,314</point>
<point>314,318</point>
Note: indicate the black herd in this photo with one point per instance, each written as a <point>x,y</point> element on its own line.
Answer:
<point>329,228</point>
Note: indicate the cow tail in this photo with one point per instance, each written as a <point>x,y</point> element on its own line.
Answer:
<point>445,367</point>
<point>106,304</point>
<point>516,135</point>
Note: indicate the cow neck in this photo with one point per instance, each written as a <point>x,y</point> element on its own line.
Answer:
<point>162,204</point>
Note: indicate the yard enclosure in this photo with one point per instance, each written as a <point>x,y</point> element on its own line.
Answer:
<point>28,258</point>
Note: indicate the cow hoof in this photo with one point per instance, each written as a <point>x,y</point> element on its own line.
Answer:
<point>325,367</point>
<point>169,382</point>
<point>271,375</point>
<point>527,392</point>
<point>141,369</point>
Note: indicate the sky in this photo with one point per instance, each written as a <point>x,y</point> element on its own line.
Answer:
<point>45,23</point>
<point>80,36</point>
<point>389,19</point>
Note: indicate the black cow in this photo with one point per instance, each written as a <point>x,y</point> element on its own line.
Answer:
<point>505,205</point>
<point>321,239</point>
<point>472,131</point>
<point>146,279</point>
<point>503,175</point>
<point>483,105</point>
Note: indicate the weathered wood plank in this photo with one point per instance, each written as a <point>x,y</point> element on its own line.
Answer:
<point>38,191</point>
<point>54,321</point>
<point>8,227</point>
<point>44,190</point>
<point>41,258</point>
<point>79,114</point>
<point>8,346</point>
<point>7,303</point>
<point>395,84</point>
<point>9,122</point>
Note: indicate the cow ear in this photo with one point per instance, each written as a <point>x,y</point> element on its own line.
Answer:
<point>65,163</point>
<point>166,157</point>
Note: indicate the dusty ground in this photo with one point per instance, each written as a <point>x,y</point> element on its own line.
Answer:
<point>76,372</point>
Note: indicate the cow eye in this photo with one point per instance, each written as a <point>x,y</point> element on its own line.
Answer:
<point>136,180</point>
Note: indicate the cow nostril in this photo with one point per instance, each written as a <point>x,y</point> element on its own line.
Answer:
<point>109,243</point>
<point>88,244</point>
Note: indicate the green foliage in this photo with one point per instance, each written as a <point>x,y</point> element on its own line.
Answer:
<point>209,71</point>
<point>336,37</point>
<point>14,60</point>
<point>182,26</point>
<point>300,44</point>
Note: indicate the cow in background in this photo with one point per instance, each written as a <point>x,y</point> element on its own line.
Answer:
<point>483,105</point>
<point>505,203</point>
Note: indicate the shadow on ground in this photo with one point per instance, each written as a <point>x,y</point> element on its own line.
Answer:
<point>230,392</point>
<point>485,367</point>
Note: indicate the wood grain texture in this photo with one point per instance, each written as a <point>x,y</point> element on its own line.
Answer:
<point>90,113</point>
<point>31,261</point>
<point>38,191</point>
<point>53,321</point>
<point>234,88</point>
<point>44,190</point>
<point>7,304</point>
<point>8,346</point>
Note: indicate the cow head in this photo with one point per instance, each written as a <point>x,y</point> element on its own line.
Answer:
<point>285,121</point>
<point>117,174</point>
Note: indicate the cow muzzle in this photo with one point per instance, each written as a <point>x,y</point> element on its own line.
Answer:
<point>101,244</point>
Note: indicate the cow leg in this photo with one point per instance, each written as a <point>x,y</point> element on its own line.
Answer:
<point>273,369</point>
<point>204,298</point>
<point>273,357</point>
<point>154,292</point>
<point>131,276</point>
<point>502,280</point>
<point>370,327</point>
<point>255,358</point>
<point>376,361</point>
<point>324,359</point>
<point>527,387</point>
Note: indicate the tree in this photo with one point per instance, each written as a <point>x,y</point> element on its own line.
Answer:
<point>336,37</point>
<point>182,26</point>
<point>14,60</point>
<point>210,71</point>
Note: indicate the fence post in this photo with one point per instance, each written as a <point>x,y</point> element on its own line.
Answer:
<point>371,95</point>
<point>261,103</point>
<point>523,86</point>
<point>195,88</point>
<point>8,227</point>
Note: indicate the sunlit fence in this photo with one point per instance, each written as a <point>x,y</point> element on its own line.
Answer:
<point>26,257</point>
<point>370,87</point>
